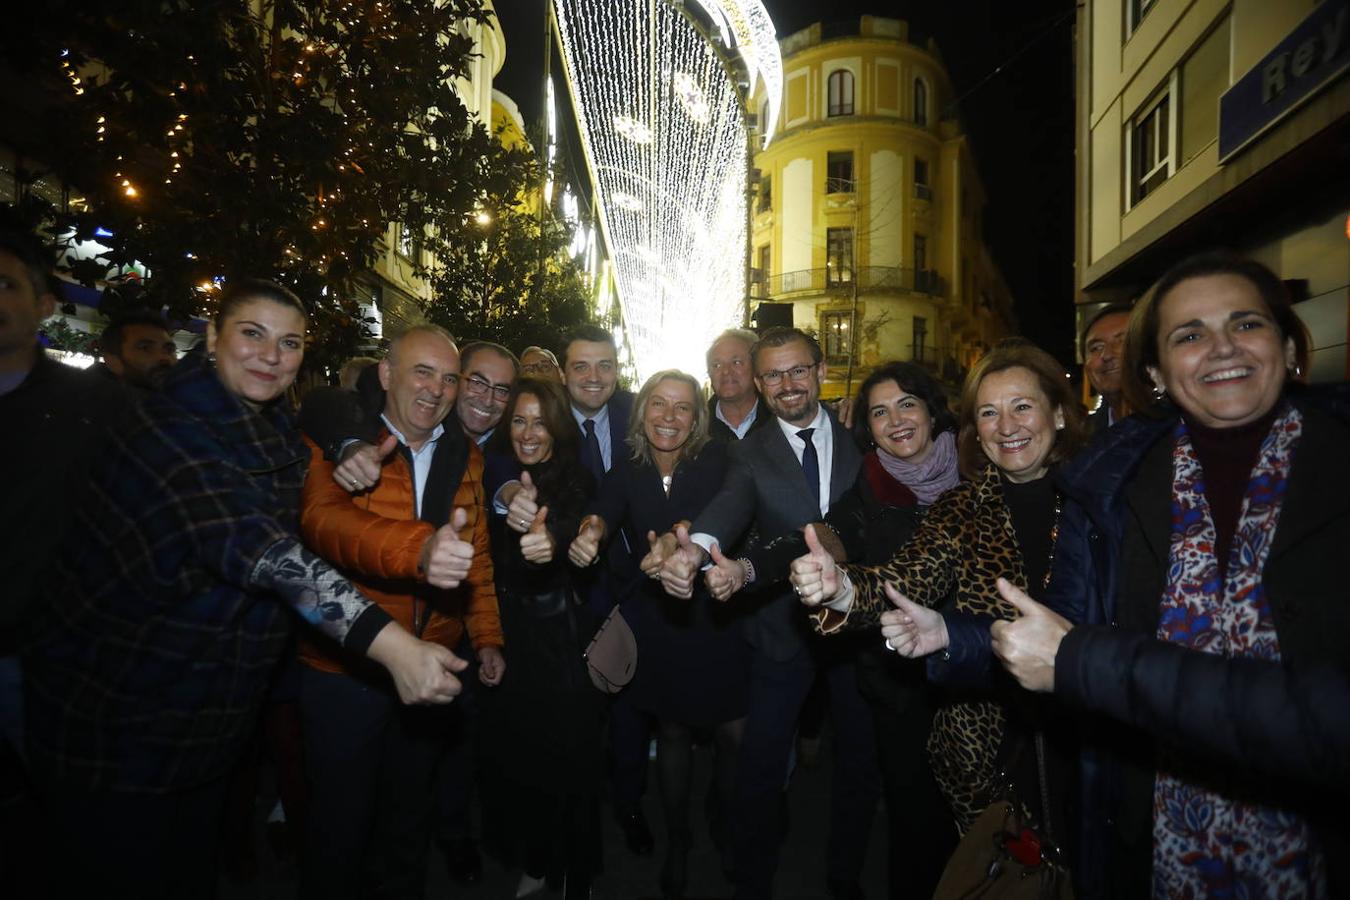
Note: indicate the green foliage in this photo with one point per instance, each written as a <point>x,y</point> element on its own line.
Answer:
<point>60,336</point>
<point>216,138</point>
<point>508,279</point>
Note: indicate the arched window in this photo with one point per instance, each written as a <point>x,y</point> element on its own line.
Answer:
<point>840,88</point>
<point>920,102</point>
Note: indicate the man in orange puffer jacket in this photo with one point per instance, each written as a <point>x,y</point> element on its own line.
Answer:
<point>415,542</point>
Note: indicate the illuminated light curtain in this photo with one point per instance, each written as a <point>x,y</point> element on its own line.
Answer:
<point>665,140</point>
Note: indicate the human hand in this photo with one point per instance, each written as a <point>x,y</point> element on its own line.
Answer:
<point>910,629</point>
<point>726,577</point>
<point>491,666</point>
<point>585,547</point>
<point>659,550</point>
<point>537,544</point>
<point>360,467</point>
<point>843,409</point>
<point>423,672</point>
<point>814,577</point>
<point>1027,646</point>
<point>681,568</point>
<point>520,512</point>
<point>445,558</point>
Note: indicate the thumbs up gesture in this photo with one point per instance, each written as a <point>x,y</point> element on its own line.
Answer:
<point>815,577</point>
<point>361,464</point>
<point>445,558</point>
<point>726,577</point>
<point>523,505</point>
<point>910,629</point>
<point>659,550</point>
<point>680,569</point>
<point>586,545</point>
<point>1027,645</point>
<point>537,545</point>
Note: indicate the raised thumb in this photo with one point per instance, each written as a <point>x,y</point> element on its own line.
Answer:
<point>1018,598</point>
<point>458,519</point>
<point>899,600</point>
<point>651,539</point>
<point>537,526</point>
<point>526,482</point>
<point>715,553</point>
<point>387,446</point>
<point>682,536</point>
<point>812,542</point>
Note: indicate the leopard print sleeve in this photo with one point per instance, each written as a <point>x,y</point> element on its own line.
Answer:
<point>924,569</point>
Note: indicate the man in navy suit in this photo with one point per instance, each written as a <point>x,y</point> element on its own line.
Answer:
<point>782,477</point>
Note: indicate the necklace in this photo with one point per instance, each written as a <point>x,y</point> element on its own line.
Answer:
<point>665,482</point>
<point>1054,538</point>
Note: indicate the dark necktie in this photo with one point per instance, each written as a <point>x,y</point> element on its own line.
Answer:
<point>590,451</point>
<point>811,465</point>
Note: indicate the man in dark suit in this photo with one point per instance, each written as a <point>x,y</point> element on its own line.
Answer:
<point>781,478</point>
<point>735,406</point>
<point>1103,359</point>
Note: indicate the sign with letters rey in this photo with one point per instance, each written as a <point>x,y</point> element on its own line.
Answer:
<point>1312,56</point>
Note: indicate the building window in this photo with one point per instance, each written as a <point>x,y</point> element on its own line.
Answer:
<point>1151,150</point>
<point>407,242</point>
<point>922,276</point>
<point>834,334</point>
<point>838,256</point>
<point>765,194</point>
<point>921,188</point>
<point>920,102</point>
<point>759,276</point>
<point>840,88</point>
<point>920,337</point>
<point>839,172</point>
<point>1138,9</point>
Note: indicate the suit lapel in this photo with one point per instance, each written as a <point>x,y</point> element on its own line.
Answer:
<point>1319,483</point>
<point>780,455</point>
<point>1149,496</point>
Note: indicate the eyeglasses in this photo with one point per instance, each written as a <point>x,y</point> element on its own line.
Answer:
<point>796,373</point>
<point>475,385</point>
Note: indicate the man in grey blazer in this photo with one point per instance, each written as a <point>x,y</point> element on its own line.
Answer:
<point>782,476</point>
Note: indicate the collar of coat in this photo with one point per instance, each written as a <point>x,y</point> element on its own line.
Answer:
<point>262,440</point>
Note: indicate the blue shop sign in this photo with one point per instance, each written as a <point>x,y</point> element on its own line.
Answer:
<point>1313,55</point>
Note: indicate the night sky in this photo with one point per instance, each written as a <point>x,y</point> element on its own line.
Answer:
<point>1020,123</point>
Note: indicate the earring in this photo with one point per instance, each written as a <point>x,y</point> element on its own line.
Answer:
<point>211,358</point>
<point>1159,392</point>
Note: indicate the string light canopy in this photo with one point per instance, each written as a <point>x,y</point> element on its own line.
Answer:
<point>664,134</point>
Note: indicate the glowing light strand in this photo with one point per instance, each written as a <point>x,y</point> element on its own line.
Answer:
<point>673,205</point>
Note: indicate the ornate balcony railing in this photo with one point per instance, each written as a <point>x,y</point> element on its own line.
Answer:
<point>869,278</point>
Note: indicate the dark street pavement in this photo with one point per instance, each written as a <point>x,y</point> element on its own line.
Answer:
<point>801,873</point>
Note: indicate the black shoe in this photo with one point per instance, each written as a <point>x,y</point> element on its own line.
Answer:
<point>843,889</point>
<point>462,860</point>
<point>636,834</point>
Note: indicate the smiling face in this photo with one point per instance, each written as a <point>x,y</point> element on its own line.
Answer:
<point>529,434</point>
<point>258,349</point>
<point>669,417</point>
<point>1220,354</point>
<point>729,370</point>
<point>1016,424</point>
<point>592,373</point>
<point>484,384</point>
<point>1104,352</point>
<point>789,381</point>
<point>420,378</point>
<point>900,422</point>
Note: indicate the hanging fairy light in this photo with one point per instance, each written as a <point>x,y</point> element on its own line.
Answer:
<point>664,136</point>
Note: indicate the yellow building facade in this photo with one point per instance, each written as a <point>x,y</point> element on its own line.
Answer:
<point>1217,123</point>
<point>867,209</point>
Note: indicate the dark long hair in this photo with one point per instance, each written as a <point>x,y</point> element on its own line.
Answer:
<point>562,427</point>
<point>912,379</point>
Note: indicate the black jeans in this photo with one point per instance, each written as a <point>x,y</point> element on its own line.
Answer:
<point>370,763</point>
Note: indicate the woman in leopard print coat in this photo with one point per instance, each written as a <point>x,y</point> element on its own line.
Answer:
<point>1018,419</point>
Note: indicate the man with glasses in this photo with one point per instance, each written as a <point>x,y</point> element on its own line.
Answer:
<point>781,478</point>
<point>539,362</point>
<point>485,376</point>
